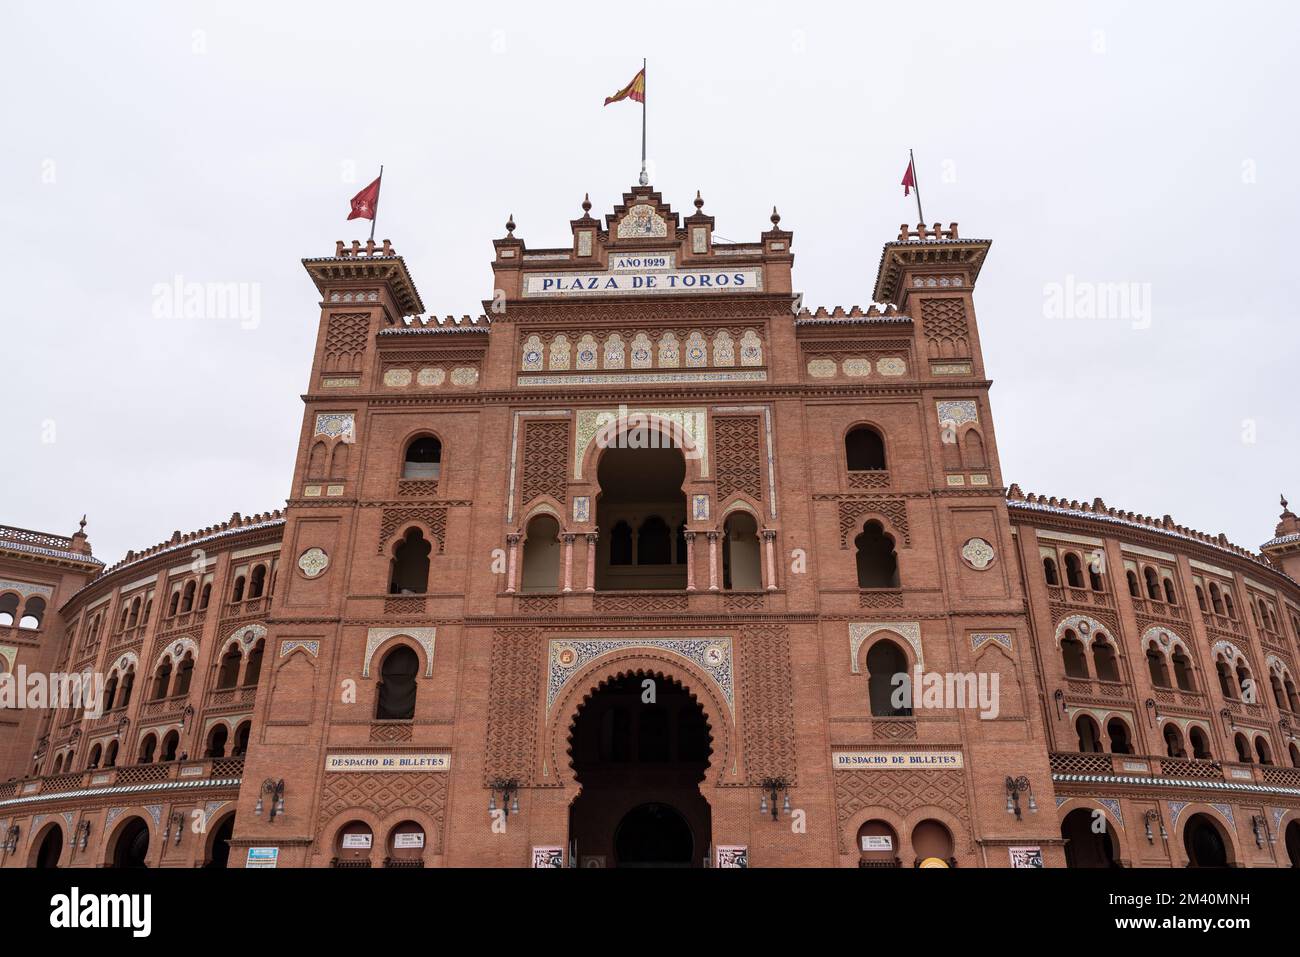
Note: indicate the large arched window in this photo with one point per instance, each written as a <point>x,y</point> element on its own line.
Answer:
<point>1243,748</point>
<point>162,680</point>
<point>1224,671</point>
<point>216,746</point>
<point>864,450</point>
<point>1263,751</point>
<point>654,542</point>
<point>128,684</point>
<point>1104,659</point>
<point>423,459</point>
<point>397,685</point>
<point>169,746</point>
<point>147,748</point>
<point>257,582</point>
<point>1073,657</point>
<point>410,565</point>
<point>541,571</point>
<point>1200,742</point>
<point>886,661</point>
<point>1174,741</point>
<point>877,561</point>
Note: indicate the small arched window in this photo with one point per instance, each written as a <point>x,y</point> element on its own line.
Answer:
<point>216,746</point>
<point>1200,598</point>
<point>33,613</point>
<point>174,605</point>
<point>1089,734</point>
<point>228,672</point>
<point>1200,744</point>
<point>885,662</point>
<point>1243,748</point>
<point>169,746</point>
<point>1157,667</point>
<point>876,559</point>
<point>397,685</point>
<point>257,582</point>
<point>423,459</point>
<point>1183,670</point>
<point>1228,604</point>
<point>1246,683</point>
<point>147,748</point>
<point>1133,589</point>
<point>653,542</point>
<point>187,597</point>
<point>237,595</point>
<point>128,685</point>
<point>1153,583</point>
<point>162,680</point>
<point>1216,598</point>
<point>205,596</point>
<point>1049,571</point>
<point>1224,671</point>
<point>1095,581</point>
<point>620,544</point>
<point>410,565</point>
<point>8,609</point>
<point>1120,742</point>
<point>110,754</point>
<point>1073,570</point>
<point>1174,742</point>
<point>864,450</point>
<point>184,673</point>
<point>1170,595</point>
<point>253,671</point>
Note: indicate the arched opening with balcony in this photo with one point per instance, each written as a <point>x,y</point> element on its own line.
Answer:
<point>215,746</point>
<point>1050,574</point>
<point>48,849</point>
<point>131,848</point>
<point>1183,670</point>
<point>642,501</point>
<point>541,566</point>
<point>33,613</point>
<point>1157,666</point>
<point>1262,750</point>
<point>1204,842</point>
<point>1073,570</point>
<point>741,562</point>
<point>1153,583</point>
<point>1088,734</point>
<point>257,582</point>
<point>877,560</point>
<point>1104,659</point>
<point>253,670</point>
<point>162,680</point>
<point>228,669</point>
<point>1174,741</point>
<point>184,674</point>
<point>1200,742</point>
<point>170,745</point>
<point>8,609</point>
<point>1121,741</point>
<point>147,748</point>
<point>1243,748</point>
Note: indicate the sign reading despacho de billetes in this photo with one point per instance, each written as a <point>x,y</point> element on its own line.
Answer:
<point>646,282</point>
<point>388,762</point>
<point>896,760</point>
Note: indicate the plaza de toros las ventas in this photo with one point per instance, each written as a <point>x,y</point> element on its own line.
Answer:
<point>620,573</point>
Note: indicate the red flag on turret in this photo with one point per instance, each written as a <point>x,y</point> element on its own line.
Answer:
<point>366,202</point>
<point>909,180</point>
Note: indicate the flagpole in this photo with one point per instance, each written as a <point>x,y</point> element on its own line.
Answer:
<point>916,185</point>
<point>645,179</point>
<point>374,218</point>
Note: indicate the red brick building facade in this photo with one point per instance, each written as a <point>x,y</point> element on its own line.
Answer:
<point>621,573</point>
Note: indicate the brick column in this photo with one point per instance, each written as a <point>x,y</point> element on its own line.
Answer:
<point>713,561</point>
<point>690,561</point>
<point>769,553</point>
<point>591,561</point>
<point>568,560</point>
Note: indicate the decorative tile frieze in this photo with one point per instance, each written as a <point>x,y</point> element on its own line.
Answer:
<point>568,656</point>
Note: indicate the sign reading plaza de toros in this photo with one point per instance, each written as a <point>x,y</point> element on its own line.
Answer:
<point>650,274</point>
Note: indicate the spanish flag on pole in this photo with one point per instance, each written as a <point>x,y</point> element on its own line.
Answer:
<point>634,90</point>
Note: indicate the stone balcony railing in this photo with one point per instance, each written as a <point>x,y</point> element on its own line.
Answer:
<point>228,697</point>
<point>1080,596</point>
<point>1223,623</point>
<point>1158,609</point>
<point>208,769</point>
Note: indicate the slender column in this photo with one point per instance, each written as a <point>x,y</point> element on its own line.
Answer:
<point>769,548</point>
<point>568,561</point>
<point>690,561</point>
<point>713,561</point>
<point>591,561</point>
<point>513,542</point>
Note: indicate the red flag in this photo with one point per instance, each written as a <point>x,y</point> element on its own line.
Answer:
<point>909,180</point>
<point>365,202</point>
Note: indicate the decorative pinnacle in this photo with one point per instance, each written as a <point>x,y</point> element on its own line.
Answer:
<point>510,224</point>
<point>586,203</point>
<point>776,218</point>
<point>83,517</point>
<point>699,201</point>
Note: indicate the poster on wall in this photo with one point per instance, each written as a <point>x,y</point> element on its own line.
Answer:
<point>877,842</point>
<point>262,857</point>
<point>732,856</point>
<point>548,857</point>
<point>404,841</point>
<point>1026,856</point>
<point>354,842</point>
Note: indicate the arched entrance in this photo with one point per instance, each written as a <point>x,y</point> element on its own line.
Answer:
<point>219,850</point>
<point>1085,846</point>
<point>640,747</point>
<point>1204,843</point>
<point>132,847</point>
<point>654,835</point>
<point>51,846</point>
<point>1293,843</point>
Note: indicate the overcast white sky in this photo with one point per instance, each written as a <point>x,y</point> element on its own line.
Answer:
<point>1150,143</point>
